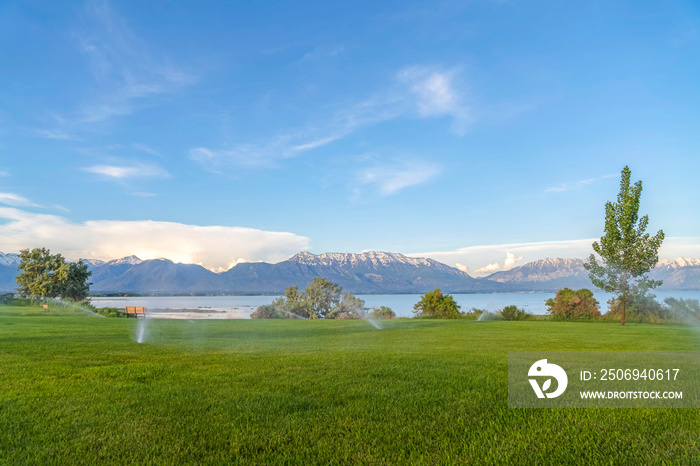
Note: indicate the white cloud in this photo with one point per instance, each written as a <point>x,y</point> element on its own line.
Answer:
<point>215,247</point>
<point>136,170</point>
<point>462,267</point>
<point>53,134</point>
<point>511,261</point>
<point>436,94</point>
<point>484,259</point>
<point>423,92</point>
<point>146,149</point>
<point>16,200</point>
<point>127,71</point>
<point>562,187</point>
<point>488,269</point>
<point>390,178</point>
<point>4,173</point>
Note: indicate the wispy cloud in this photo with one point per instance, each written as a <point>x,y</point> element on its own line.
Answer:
<point>436,94</point>
<point>420,92</point>
<point>128,171</point>
<point>53,134</point>
<point>391,178</point>
<point>562,187</point>
<point>215,247</point>
<point>146,149</point>
<point>127,71</point>
<point>16,200</point>
<point>4,173</point>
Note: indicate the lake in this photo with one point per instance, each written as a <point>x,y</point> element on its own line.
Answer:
<point>240,307</point>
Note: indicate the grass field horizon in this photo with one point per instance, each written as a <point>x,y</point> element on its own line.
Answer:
<point>81,390</point>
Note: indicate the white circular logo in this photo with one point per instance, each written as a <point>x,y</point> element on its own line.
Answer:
<point>543,369</point>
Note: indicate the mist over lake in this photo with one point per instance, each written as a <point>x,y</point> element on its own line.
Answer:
<point>241,306</point>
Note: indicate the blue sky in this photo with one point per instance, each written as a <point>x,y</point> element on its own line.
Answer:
<point>480,133</point>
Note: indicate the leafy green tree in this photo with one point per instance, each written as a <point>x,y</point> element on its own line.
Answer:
<point>349,307</point>
<point>436,305</point>
<point>627,252</point>
<point>296,304</point>
<point>322,295</point>
<point>382,312</point>
<point>74,281</point>
<point>49,275</point>
<point>513,312</point>
<point>573,305</point>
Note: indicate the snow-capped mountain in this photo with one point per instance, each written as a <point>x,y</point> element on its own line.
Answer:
<point>682,273</point>
<point>9,260</point>
<point>677,263</point>
<point>368,272</point>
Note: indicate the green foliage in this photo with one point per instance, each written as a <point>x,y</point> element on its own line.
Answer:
<point>648,310</point>
<point>109,311</point>
<point>573,305</point>
<point>271,311</point>
<point>435,305</point>
<point>49,275</point>
<point>323,296</point>
<point>350,307</point>
<point>382,312</point>
<point>473,313</point>
<point>320,300</point>
<point>7,298</point>
<point>627,251</point>
<point>513,312</point>
<point>685,310</point>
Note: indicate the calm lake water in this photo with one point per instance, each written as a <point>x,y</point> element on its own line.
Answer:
<point>240,307</point>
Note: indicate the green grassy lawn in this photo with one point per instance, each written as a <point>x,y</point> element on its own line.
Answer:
<point>81,390</point>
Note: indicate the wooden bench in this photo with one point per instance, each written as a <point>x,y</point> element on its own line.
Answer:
<point>135,311</point>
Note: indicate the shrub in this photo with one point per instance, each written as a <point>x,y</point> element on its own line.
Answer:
<point>684,310</point>
<point>640,308</point>
<point>435,305</point>
<point>275,310</point>
<point>349,307</point>
<point>382,312</point>
<point>573,305</point>
<point>109,311</point>
<point>473,314</point>
<point>513,312</point>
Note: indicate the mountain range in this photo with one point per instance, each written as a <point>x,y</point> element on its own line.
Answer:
<point>366,273</point>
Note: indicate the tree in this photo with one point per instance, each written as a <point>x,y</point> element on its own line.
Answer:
<point>513,312</point>
<point>573,305</point>
<point>323,296</point>
<point>382,312</point>
<point>436,305</point>
<point>627,252</point>
<point>350,307</point>
<point>74,281</point>
<point>49,275</point>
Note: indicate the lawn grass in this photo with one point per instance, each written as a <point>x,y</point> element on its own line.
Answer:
<point>81,390</point>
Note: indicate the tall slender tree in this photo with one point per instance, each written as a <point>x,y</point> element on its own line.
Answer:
<point>626,251</point>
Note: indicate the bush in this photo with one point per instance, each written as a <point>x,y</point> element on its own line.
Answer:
<point>382,312</point>
<point>512,312</point>
<point>640,308</point>
<point>275,310</point>
<point>488,315</point>
<point>473,314</point>
<point>573,305</point>
<point>7,298</point>
<point>684,310</point>
<point>435,305</point>
<point>109,311</point>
